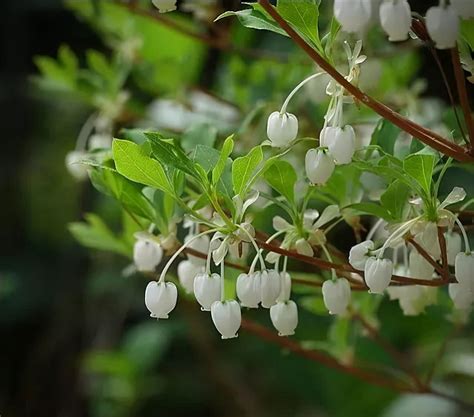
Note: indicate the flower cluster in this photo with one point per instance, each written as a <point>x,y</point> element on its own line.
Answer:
<point>442,21</point>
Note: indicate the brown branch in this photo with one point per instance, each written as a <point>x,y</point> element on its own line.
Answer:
<point>316,356</point>
<point>444,254</point>
<point>425,135</point>
<point>463,96</point>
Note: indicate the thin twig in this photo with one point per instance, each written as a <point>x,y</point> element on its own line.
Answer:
<point>425,135</point>
<point>444,254</point>
<point>463,96</point>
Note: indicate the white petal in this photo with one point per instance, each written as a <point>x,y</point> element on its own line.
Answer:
<point>270,287</point>
<point>227,318</point>
<point>248,288</point>
<point>207,290</point>
<point>282,128</point>
<point>284,316</point>
<point>160,298</point>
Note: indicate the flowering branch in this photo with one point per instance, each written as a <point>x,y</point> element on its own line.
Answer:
<point>425,135</point>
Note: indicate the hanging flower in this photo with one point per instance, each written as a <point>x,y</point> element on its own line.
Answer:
<point>270,286</point>
<point>453,246</point>
<point>353,15</point>
<point>227,318</point>
<point>282,128</point>
<point>248,289</point>
<point>395,18</point>
<point>442,24</point>
<point>164,6</point>
<point>187,271</point>
<point>428,239</point>
<point>285,287</point>
<point>147,252</point>
<point>201,244</point>
<point>73,164</point>
<point>341,144</point>
<point>464,269</point>
<point>359,254</point>
<point>207,289</point>
<point>462,296</point>
<point>378,273</point>
<point>336,295</point>
<point>464,8</point>
<point>160,298</point>
<point>284,316</point>
<point>319,166</point>
<point>420,267</point>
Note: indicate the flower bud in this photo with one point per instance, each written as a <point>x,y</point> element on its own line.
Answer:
<point>453,246</point>
<point>164,6</point>
<point>248,289</point>
<point>420,267</point>
<point>303,247</point>
<point>201,244</point>
<point>461,295</point>
<point>319,166</point>
<point>160,298</point>
<point>187,271</point>
<point>336,295</point>
<point>207,289</point>
<point>282,128</point>
<point>359,254</point>
<point>75,168</point>
<point>442,24</point>
<point>284,316</point>
<point>353,15</point>
<point>464,269</point>
<point>378,273</point>
<point>395,18</point>
<point>227,318</point>
<point>270,287</point>
<point>464,8</point>
<point>285,287</point>
<point>147,254</point>
<point>341,144</point>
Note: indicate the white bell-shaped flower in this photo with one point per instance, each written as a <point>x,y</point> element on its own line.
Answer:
<point>378,273</point>
<point>164,6</point>
<point>359,254</point>
<point>160,298</point>
<point>319,166</point>
<point>353,15</point>
<point>147,254</point>
<point>326,134</point>
<point>336,295</point>
<point>248,289</point>
<point>187,271</point>
<point>207,290</point>
<point>341,144</point>
<point>201,244</point>
<point>428,239</point>
<point>227,318</point>
<point>395,18</point>
<point>270,287</point>
<point>303,247</point>
<point>462,296</point>
<point>442,23</point>
<point>453,246</point>
<point>73,165</point>
<point>285,287</point>
<point>419,266</point>
<point>282,128</point>
<point>284,316</point>
<point>464,269</point>
<point>464,8</point>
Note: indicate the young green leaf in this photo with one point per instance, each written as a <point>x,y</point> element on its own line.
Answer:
<point>395,199</point>
<point>133,163</point>
<point>227,148</point>
<point>420,168</point>
<point>244,167</point>
<point>282,177</point>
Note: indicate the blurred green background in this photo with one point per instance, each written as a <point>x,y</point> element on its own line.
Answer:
<point>75,337</point>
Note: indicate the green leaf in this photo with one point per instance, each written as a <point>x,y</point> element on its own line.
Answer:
<point>95,234</point>
<point>206,157</point>
<point>395,198</point>
<point>126,192</point>
<point>244,167</point>
<point>282,177</point>
<point>420,168</point>
<point>227,148</point>
<point>385,135</point>
<point>133,163</point>
<point>199,134</point>
<point>255,18</point>
<point>371,209</point>
<point>303,16</point>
